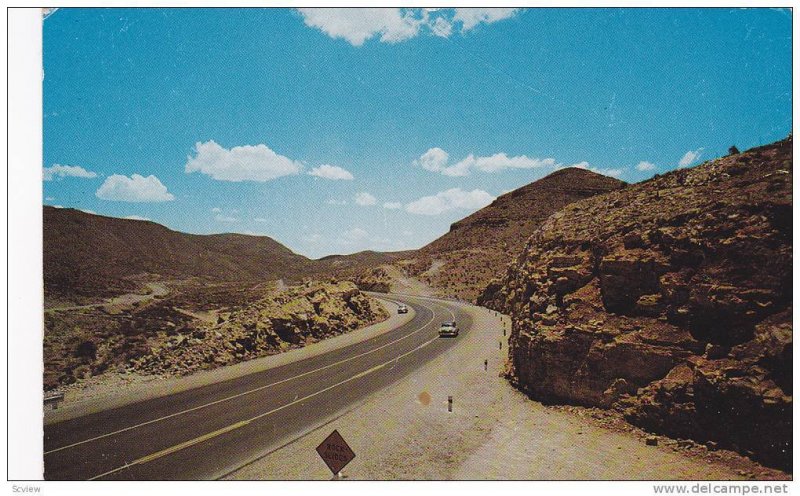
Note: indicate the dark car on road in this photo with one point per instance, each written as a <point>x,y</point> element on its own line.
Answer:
<point>402,309</point>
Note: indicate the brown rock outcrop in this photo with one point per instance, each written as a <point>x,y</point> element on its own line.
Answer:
<point>375,279</point>
<point>669,300</point>
<point>288,319</point>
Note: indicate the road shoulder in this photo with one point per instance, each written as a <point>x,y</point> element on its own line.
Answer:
<point>494,432</point>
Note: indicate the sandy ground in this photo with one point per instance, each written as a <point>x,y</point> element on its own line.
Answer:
<point>494,432</point>
<point>156,290</point>
<point>113,390</point>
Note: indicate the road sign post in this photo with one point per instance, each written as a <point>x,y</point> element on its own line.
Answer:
<point>335,452</point>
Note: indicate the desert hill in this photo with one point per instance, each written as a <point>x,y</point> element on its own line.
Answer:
<point>669,301</point>
<point>92,255</point>
<point>477,248</point>
<point>344,265</point>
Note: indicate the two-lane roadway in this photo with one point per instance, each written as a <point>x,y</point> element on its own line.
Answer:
<point>206,432</point>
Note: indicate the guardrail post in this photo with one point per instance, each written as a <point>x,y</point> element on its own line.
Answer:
<point>53,399</point>
<point>486,365</point>
<point>449,403</point>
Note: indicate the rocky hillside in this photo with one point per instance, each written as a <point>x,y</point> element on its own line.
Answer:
<point>670,301</point>
<point>161,338</point>
<point>375,279</point>
<point>462,262</point>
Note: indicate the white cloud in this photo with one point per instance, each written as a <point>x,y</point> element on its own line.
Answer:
<point>452,199</point>
<point>472,17</point>
<point>225,218</point>
<point>612,172</point>
<point>216,210</point>
<point>393,205</point>
<point>609,172</point>
<point>331,172</point>
<point>58,170</point>
<point>441,27</point>
<point>393,25</point>
<point>645,166</point>
<point>332,201</point>
<point>136,217</point>
<point>365,199</point>
<point>436,160</point>
<point>50,198</point>
<point>690,157</point>
<point>240,163</point>
<point>133,189</point>
<point>260,219</point>
<point>358,25</point>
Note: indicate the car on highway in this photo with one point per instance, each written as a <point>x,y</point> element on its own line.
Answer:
<point>402,309</point>
<point>448,328</point>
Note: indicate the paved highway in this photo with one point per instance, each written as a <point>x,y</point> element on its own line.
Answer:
<point>206,432</point>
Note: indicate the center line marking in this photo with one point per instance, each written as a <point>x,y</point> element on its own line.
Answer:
<point>237,425</point>
<point>260,388</point>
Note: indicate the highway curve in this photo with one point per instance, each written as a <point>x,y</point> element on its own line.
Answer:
<point>206,432</point>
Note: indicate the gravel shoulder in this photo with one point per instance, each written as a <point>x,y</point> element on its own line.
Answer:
<point>494,432</point>
<point>114,390</point>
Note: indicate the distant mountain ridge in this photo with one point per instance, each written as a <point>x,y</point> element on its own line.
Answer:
<point>94,255</point>
<point>91,255</point>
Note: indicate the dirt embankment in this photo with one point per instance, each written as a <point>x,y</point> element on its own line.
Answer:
<point>669,301</point>
<point>171,337</point>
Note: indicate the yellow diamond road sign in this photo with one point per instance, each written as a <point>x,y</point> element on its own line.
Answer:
<point>335,452</point>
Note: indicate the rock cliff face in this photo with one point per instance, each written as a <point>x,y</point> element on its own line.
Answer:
<point>288,319</point>
<point>669,300</point>
<point>376,279</point>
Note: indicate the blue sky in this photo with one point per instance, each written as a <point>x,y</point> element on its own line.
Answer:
<point>335,131</point>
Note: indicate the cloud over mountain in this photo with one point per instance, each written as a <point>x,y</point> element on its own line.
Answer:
<point>136,188</point>
<point>451,199</point>
<point>437,160</point>
<point>240,163</point>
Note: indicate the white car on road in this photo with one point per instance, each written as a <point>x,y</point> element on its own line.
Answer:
<point>448,328</point>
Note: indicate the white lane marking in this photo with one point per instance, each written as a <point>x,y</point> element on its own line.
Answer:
<point>222,400</point>
<point>242,423</point>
